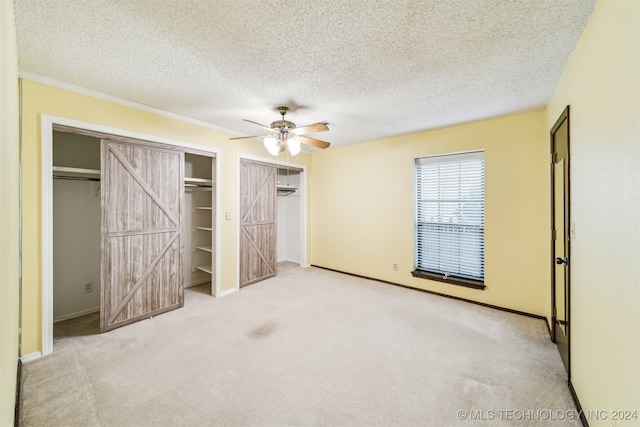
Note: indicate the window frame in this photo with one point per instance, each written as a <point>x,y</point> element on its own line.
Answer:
<point>437,275</point>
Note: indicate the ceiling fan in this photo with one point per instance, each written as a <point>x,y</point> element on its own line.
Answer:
<point>283,134</point>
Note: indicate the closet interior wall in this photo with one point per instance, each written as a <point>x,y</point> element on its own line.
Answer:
<point>76,225</point>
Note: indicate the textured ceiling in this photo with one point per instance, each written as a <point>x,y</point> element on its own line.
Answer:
<point>372,69</point>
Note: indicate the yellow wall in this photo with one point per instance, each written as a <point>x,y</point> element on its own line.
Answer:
<point>9,213</point>
<point>601,84</point>
<point>42,99</point>
<point>362,209</point>
<point>361,203</point>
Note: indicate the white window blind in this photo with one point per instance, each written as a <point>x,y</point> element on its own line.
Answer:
<point>450,215</point>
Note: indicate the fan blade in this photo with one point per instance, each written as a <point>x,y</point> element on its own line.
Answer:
<point>247,137</point>
<point>314,142</point>
<point>258,124</point>
<point>314,128</point>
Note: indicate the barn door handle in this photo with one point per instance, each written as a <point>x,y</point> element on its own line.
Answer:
<point>561,261</point>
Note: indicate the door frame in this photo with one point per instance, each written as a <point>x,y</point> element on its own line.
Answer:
<point>47,123</point>
<point>303,209</point>
<point>564,117</point>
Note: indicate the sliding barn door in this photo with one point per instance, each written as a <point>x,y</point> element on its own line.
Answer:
<point>142,242</point>
<point>257,221</point>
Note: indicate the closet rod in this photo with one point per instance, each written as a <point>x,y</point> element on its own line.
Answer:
<point>76,178</point>
<point>63,172</point>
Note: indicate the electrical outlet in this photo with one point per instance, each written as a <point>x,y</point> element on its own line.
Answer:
<point>88,288</point>
<point>395,266</point>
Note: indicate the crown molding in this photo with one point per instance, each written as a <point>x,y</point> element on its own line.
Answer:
<point>109,98</point>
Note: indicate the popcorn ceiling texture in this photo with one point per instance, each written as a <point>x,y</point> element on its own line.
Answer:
<point>371,68</point>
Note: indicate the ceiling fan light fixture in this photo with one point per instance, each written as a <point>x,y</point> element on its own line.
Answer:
<point>293,143</point>
<point>271,144</point>
<point>284,135</point>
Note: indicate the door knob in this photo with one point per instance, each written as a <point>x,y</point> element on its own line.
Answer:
<point>561,261</point>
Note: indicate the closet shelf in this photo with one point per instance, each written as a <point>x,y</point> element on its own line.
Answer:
<point>205,268</point>
<point>285,190</point>
<point>197,182</point>
<point>205,248</point>
<point>204,228</point>
<point>67,172</point>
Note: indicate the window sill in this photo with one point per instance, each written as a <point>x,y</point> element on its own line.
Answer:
<point>474,284</point>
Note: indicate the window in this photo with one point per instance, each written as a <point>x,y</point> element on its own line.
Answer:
<point>450,218</point>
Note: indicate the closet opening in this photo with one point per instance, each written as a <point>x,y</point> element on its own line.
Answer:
<point>272,228</point>
<point>288,242</point>
<point>94,181</point>
<point>199,222</point>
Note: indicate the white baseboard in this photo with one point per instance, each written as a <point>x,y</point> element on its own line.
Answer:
<point>76,314</point>
<point>227,292</point>
<point>30,357</point>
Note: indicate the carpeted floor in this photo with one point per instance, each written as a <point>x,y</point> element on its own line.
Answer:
<point>308,348</point>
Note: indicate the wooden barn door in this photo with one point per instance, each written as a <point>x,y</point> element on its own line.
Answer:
<point>257,221</point>
<point>142,242</point>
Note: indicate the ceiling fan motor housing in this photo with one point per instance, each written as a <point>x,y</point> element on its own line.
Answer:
<point>282,125</point>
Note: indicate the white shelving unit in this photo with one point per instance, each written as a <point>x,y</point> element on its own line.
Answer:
<point>200,199</point>
<point>197,182</point>
<point>205,268</point>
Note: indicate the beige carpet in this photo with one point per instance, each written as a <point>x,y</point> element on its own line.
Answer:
<point>308,348</point>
